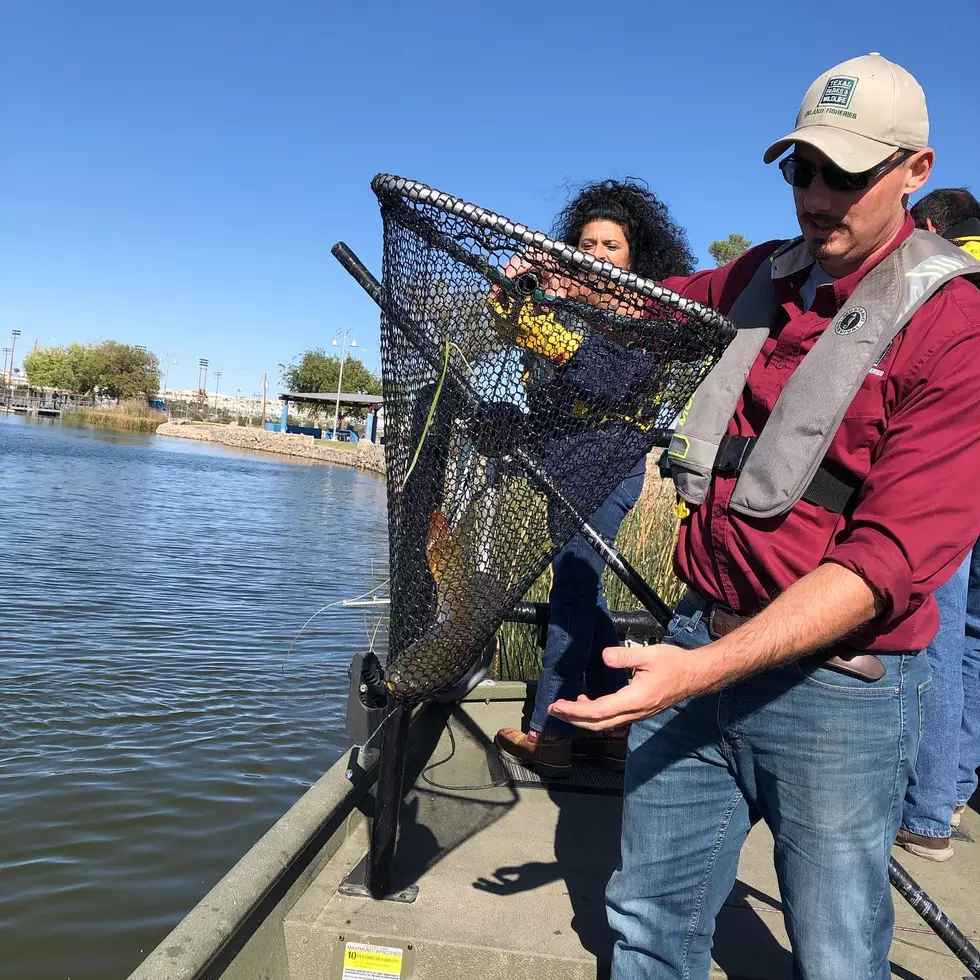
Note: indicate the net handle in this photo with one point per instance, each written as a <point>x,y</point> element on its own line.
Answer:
<point>386,185</point>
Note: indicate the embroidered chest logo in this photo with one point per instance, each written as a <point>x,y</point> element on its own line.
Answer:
<point>852,320</point>
<point>876,369</point>
<point>838,91</point>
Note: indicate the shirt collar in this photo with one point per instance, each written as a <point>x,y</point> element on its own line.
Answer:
<point>968,228</point>
<point>797,258</point>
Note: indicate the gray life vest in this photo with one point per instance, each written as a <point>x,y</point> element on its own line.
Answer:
<point>785,459</point>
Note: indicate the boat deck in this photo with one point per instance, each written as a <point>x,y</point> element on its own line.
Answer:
<point>511,881</point>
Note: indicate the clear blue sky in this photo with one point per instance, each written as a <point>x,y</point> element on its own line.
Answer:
<point>174,173</point>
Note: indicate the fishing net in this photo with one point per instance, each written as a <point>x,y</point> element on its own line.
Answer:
<point>522,382</point>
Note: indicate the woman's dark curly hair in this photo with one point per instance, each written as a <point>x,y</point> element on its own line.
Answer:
<point>658,245</point>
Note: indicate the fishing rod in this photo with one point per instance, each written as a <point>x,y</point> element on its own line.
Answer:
<point>395,731</point>
<point>635,622</point>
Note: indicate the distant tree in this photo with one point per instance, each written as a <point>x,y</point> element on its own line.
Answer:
<point>728,249</point>
<point>120,370</point>
<point>317,370</point>
<point>50,367</point>
<point>116,370</point>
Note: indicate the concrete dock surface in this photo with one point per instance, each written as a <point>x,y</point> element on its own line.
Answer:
<point>511,882</point>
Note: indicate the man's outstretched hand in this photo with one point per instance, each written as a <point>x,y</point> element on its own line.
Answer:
<point>664,675</point>
<point>810,615</point>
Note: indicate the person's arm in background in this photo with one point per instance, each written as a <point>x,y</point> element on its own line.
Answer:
<point>593,366</point>
<point>719,287</point>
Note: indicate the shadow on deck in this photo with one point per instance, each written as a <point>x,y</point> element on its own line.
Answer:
<point>512,879</point>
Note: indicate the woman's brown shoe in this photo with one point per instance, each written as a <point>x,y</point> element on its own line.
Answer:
<point>546,754</point>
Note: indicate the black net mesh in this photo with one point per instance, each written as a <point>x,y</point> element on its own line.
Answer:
<point>522,382</point>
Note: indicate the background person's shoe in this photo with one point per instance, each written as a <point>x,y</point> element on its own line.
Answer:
<point>549,755</point>
<point>606,749</point>
<point>615,743</point>
<point>957,815</point>
<point>586,748</point>
<point>937,849</point>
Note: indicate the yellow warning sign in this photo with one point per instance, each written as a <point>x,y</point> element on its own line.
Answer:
<point>363,962</point>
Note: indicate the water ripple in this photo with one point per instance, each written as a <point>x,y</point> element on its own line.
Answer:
<point>151,725</point>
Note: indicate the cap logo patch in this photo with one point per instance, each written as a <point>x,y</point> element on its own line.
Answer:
<point>852,320</point>
<point>838,91</point>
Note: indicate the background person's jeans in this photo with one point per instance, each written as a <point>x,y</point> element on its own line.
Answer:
<point>823,757</point>
<point>580,627</point>
<point>930,798</point>
<point>969,757</point>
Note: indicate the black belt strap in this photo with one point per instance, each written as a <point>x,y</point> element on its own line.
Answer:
<point>825,490</point>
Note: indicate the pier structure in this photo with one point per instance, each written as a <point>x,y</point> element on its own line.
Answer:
<point>22,399</point>
<point>330,402</point>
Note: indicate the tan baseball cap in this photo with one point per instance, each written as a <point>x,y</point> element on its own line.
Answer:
<point>859,113</point>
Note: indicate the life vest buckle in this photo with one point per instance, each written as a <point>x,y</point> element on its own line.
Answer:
<point>733,452</point>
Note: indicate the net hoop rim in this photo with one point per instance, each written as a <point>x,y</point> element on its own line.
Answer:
<point>387,184</point>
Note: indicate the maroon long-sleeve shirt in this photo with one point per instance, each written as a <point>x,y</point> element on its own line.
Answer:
<point>911,435</point>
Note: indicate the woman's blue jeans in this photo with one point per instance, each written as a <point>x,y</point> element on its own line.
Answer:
<point>580,627</point>
<point>823,757</point>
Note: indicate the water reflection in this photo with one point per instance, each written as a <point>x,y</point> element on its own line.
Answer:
<point>151,727</point>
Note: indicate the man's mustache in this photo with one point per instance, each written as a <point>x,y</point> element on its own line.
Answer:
<point>825,218</point>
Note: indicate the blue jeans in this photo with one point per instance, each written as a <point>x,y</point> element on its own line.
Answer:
<point>945,772</point>
<point>824,758</point>
<point>966,783</point>
<point>931,795</point>
<point>580,627</point>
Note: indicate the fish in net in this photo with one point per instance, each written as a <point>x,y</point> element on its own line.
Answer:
<point>522,381</point>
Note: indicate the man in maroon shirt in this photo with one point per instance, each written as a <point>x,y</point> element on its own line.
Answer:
<point>755,722</point>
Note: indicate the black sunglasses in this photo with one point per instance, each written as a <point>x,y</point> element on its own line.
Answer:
<point>800,173</point>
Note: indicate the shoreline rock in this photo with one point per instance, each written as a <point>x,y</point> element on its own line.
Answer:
<point>363,455</point>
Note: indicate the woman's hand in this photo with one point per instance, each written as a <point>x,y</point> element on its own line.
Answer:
<point>544,268</point>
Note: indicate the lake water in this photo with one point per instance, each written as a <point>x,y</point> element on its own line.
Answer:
<point>151,725</point>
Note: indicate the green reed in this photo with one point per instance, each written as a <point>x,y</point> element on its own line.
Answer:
<point>646,539</point>
<point>130,416</point>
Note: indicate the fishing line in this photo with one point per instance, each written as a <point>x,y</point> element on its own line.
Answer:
<point>330,605</point>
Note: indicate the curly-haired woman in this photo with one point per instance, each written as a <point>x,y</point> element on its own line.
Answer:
<point>627,225</point>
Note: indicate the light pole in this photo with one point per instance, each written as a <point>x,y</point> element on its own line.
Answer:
<point>166,373</point>
<point>343,345</point>
<point>238,405</point>
<point>15,333</point>
<point>202,381</point>
<point>217,378</point>
<point>4,380</point>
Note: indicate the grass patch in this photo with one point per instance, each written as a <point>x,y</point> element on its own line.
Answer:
<point>129,416</point>
<point>344,447</point>
<point>646,539</point>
